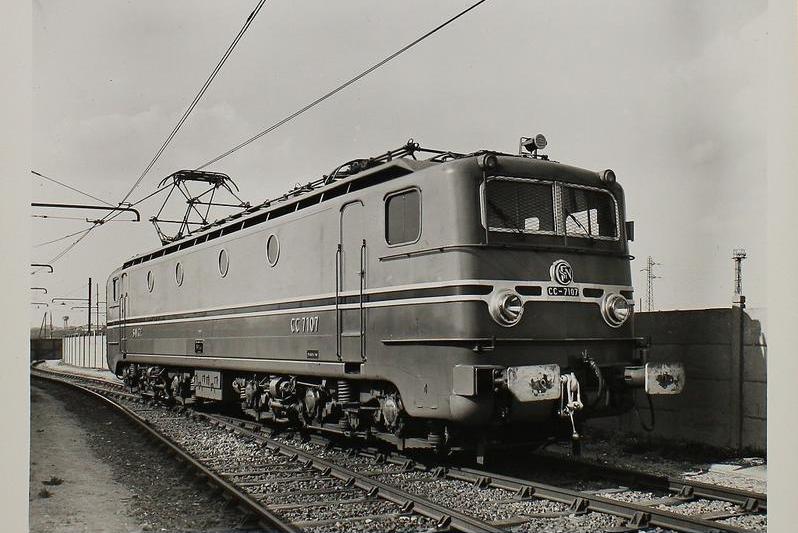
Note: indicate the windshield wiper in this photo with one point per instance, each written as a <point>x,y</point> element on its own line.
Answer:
<point>578,223</point>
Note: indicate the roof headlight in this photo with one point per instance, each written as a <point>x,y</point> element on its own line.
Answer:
<point>506,308</point>
<point>615,310</point>
<point>532,144</point>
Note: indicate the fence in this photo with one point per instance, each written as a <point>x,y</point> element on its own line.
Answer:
<point>85,350</point>
<point>725,396</point>
<point>45,349</point>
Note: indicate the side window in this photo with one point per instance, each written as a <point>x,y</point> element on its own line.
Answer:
<point>115,289</point>
<point>403,217</point>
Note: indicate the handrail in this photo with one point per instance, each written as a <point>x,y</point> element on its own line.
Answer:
<point>337,302</point>
<point>362,310</point>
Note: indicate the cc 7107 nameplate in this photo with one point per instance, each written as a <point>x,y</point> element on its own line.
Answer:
<point>562,291</point>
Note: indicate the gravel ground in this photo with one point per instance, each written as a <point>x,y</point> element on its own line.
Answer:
<point>285,482</point>
<point>583,523</point>
<point>162,497</point>
<point>402,524</point>
<point>736,481</point>
<point>676,459</point>
<point>699,506</point>
<point>632,495</point>
<point>753,522</point>
<point>282,481</point>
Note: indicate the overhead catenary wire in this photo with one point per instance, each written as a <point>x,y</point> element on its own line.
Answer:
<point>114,213</point>
<point>197,98</point>
<point>71,188</point>
<point>85,230</point>
<point>338,89</point>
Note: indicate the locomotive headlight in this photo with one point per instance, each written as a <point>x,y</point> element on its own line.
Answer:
<point>506,308</point>
<point>615,310</point>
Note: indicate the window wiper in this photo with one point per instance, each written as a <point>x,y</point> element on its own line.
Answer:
<point>578,223</point>
<point>505,217</point>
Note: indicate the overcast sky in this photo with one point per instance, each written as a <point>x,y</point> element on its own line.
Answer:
<point>669,94</point>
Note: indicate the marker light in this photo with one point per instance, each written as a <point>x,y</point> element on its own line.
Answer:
<point>489,162</point>
<point>615,310</point>
<point>540,141</point>
<point>608,176</point>
<point>506,308</point>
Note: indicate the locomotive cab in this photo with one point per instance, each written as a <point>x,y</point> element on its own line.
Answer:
<point>557,333</point>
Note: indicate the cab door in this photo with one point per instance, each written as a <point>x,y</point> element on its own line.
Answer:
<point>113,314</point>
<point>124,302</point>
<point>351,269</point>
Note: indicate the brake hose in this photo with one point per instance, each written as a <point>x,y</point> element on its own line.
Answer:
<point>651,410</point>
<point>599,378</point>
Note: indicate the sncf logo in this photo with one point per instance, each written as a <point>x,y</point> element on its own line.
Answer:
<point>561,272</point>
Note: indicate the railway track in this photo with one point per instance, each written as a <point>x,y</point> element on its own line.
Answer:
<point>316,486</point>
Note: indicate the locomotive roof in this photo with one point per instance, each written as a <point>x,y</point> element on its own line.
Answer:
<point>298,198</point>
<point>361,173</point>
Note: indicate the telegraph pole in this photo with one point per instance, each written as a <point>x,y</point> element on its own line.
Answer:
<point>650,277</point>
<point>737,256</point>
<point>89,326</point>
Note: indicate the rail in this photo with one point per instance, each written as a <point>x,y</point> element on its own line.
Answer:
<point>635,515</point>
<point>268,519</point>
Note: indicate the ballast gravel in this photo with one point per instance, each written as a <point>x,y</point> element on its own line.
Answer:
<point>301,491</point>
<point>575,523</point>
<point>752,522</point>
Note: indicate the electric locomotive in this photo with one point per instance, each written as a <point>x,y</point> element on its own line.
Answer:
<point>427,302</point>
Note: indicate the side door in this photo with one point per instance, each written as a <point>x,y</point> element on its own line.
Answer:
<point>113,312</point>
<point>351,265</point>
<point>124,303</point>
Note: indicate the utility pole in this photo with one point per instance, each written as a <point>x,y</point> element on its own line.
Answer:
<point>51,325</point>
<point>737,256</point>
<point>650,277</point>
<point>88,329</point>
<point>97,292</point>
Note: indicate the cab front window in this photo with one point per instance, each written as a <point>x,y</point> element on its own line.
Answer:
<point>535,207</point>
<point>588,213</point>
<point>519,206</point>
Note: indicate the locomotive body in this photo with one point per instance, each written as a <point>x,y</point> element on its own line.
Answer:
<point>412,298</point>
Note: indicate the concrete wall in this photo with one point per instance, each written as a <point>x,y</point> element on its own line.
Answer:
<point>45,349</point>
<point>85,350</point>
<point>725,354</point>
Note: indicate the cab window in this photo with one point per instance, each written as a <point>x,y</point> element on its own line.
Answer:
<point>403,217</point>
<point>589,213</point>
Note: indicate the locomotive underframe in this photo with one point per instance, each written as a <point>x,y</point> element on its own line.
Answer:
<point>374,409</point>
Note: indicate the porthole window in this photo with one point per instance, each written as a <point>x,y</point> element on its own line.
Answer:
<point>150,281</point>
<point>179,274</point>
<point>224,263</point>
<point>272,249</point>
